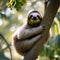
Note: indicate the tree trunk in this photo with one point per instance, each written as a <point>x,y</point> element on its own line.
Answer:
<point>50,13</point>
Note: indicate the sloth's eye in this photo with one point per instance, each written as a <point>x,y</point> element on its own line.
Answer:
<point>39,17</point>
<point>31,16</point>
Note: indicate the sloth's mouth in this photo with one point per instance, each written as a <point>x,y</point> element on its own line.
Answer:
<point>34,23</point>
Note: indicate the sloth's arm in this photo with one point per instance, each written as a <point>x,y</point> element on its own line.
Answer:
<point>26,33</point>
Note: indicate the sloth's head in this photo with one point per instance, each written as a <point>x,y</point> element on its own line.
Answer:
<point>34,19</point>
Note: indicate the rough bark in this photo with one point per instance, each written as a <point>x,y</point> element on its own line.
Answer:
<point>47,21</point>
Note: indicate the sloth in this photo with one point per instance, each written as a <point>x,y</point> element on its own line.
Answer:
<point>34,19</point>
<point>26,36</point>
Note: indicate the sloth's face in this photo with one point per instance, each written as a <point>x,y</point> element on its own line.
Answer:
<point>34,19</point>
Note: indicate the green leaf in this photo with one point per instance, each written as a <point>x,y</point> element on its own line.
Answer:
<point>58,16</point>
<point>58,52</point>
<point>58,41</point>
<point>16,4</point>
<point>51,52</point>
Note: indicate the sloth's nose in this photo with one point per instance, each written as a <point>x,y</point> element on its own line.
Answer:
<point>34,18</point>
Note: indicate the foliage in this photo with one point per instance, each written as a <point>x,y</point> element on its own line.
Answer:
<point>16,4</point>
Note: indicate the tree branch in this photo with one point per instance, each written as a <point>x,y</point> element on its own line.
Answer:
<point>3,4</point>
<point>47,21</point>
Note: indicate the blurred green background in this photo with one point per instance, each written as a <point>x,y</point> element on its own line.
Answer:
<point>13,14</point>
